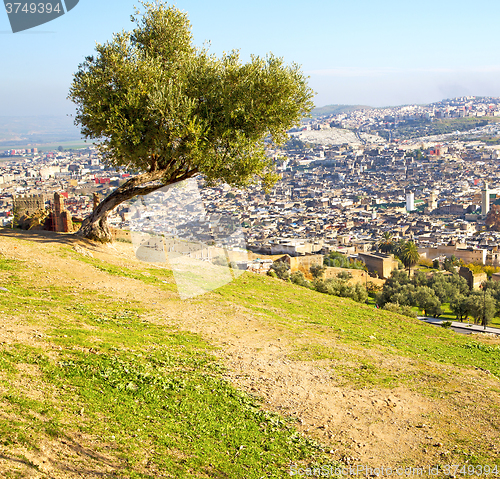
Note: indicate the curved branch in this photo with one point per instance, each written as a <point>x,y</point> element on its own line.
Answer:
<point>95,225</point>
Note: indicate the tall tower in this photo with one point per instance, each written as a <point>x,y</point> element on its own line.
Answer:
<point>485,200</point>
<point>410,202</point>
<point>433,201</point>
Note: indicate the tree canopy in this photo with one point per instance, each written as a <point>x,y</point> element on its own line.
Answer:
<point>166,110</point>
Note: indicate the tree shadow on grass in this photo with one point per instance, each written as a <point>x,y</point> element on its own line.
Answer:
<point>91,464</point>
<point>42,236</point>
<point>24,462</point>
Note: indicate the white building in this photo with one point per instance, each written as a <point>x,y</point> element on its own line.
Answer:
<point>485,200</point>
<point>410,202</point>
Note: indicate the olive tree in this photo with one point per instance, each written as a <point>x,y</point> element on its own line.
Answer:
<point>164,110</point>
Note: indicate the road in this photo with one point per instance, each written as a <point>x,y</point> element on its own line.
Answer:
<point>462,328</point>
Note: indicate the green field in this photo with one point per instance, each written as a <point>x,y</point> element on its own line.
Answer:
<point>67,145</point>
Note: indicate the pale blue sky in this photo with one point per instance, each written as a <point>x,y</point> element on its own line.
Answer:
<point>374,52</point>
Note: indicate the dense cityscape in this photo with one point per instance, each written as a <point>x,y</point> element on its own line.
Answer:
<point>342,185</point>
<point>249,240</point>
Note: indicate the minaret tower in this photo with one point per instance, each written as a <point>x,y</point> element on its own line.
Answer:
<point>485,197</point>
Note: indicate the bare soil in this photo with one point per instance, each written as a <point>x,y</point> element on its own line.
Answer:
<point>374,426</point>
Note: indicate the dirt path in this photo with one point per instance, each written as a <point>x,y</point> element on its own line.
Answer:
<point>368,426</point>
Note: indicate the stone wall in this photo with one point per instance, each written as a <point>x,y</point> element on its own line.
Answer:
<point>27,205</point>
<point>302,263</point>
<point>473,280</point>
<point>467,255</point>
<point>381,263</point>
<point>59,219</point>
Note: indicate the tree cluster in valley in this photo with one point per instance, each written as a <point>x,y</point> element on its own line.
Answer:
<point>339,286</point>
<point>430,292</point>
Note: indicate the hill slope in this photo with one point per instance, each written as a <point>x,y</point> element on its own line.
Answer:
<point>328,110</point>
<point>103,371</point>
<point>18,132</point>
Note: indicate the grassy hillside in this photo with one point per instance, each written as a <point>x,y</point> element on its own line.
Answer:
<point>104,372</point>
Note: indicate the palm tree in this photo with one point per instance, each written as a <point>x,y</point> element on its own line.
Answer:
<point>409,255</point>
<point>385,244</point>
<point>398,248</point>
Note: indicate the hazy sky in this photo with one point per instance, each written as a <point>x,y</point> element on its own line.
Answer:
<point>373,52</point>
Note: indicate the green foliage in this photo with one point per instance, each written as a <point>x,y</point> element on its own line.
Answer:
<point>317,271</point>
<point>397,250</point>
<point>360,294</point>
<point>299,279</point>
<point>429,294</point>
<point>483,307</point>
<point>451,263</point>
<point>220,261</point>
<point>157,103</point>
<point>409,254</point>
<point>392,307</point>
<point>339,260</point>
<point>419,278</point>
<point>386,247</point>
<point>393,285</point>
<point>408,311</point>
<point>340,287</point>
<point>386,244</point>
<point>448,287</point>
<point>493,288</point>
<point>345,275</point>
<point>417,154</point>
<point>426,299</point>
<point>372,288</point>
<point>281,270</point>
<point>397,308</point>
<point>461,307</point>
<point>295,143</point>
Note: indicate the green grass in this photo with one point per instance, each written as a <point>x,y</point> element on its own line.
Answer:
<point>349,322</point>
<point>352,323</point>
<point>153,398</point>
<point>161,277</point>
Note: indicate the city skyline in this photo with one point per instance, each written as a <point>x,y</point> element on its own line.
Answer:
<point>373,53</point>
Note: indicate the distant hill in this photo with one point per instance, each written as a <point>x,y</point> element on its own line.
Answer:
<point>336,109</point>
<point>36,130</point>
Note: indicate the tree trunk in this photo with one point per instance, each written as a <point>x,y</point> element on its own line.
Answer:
<point>95,227</point>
